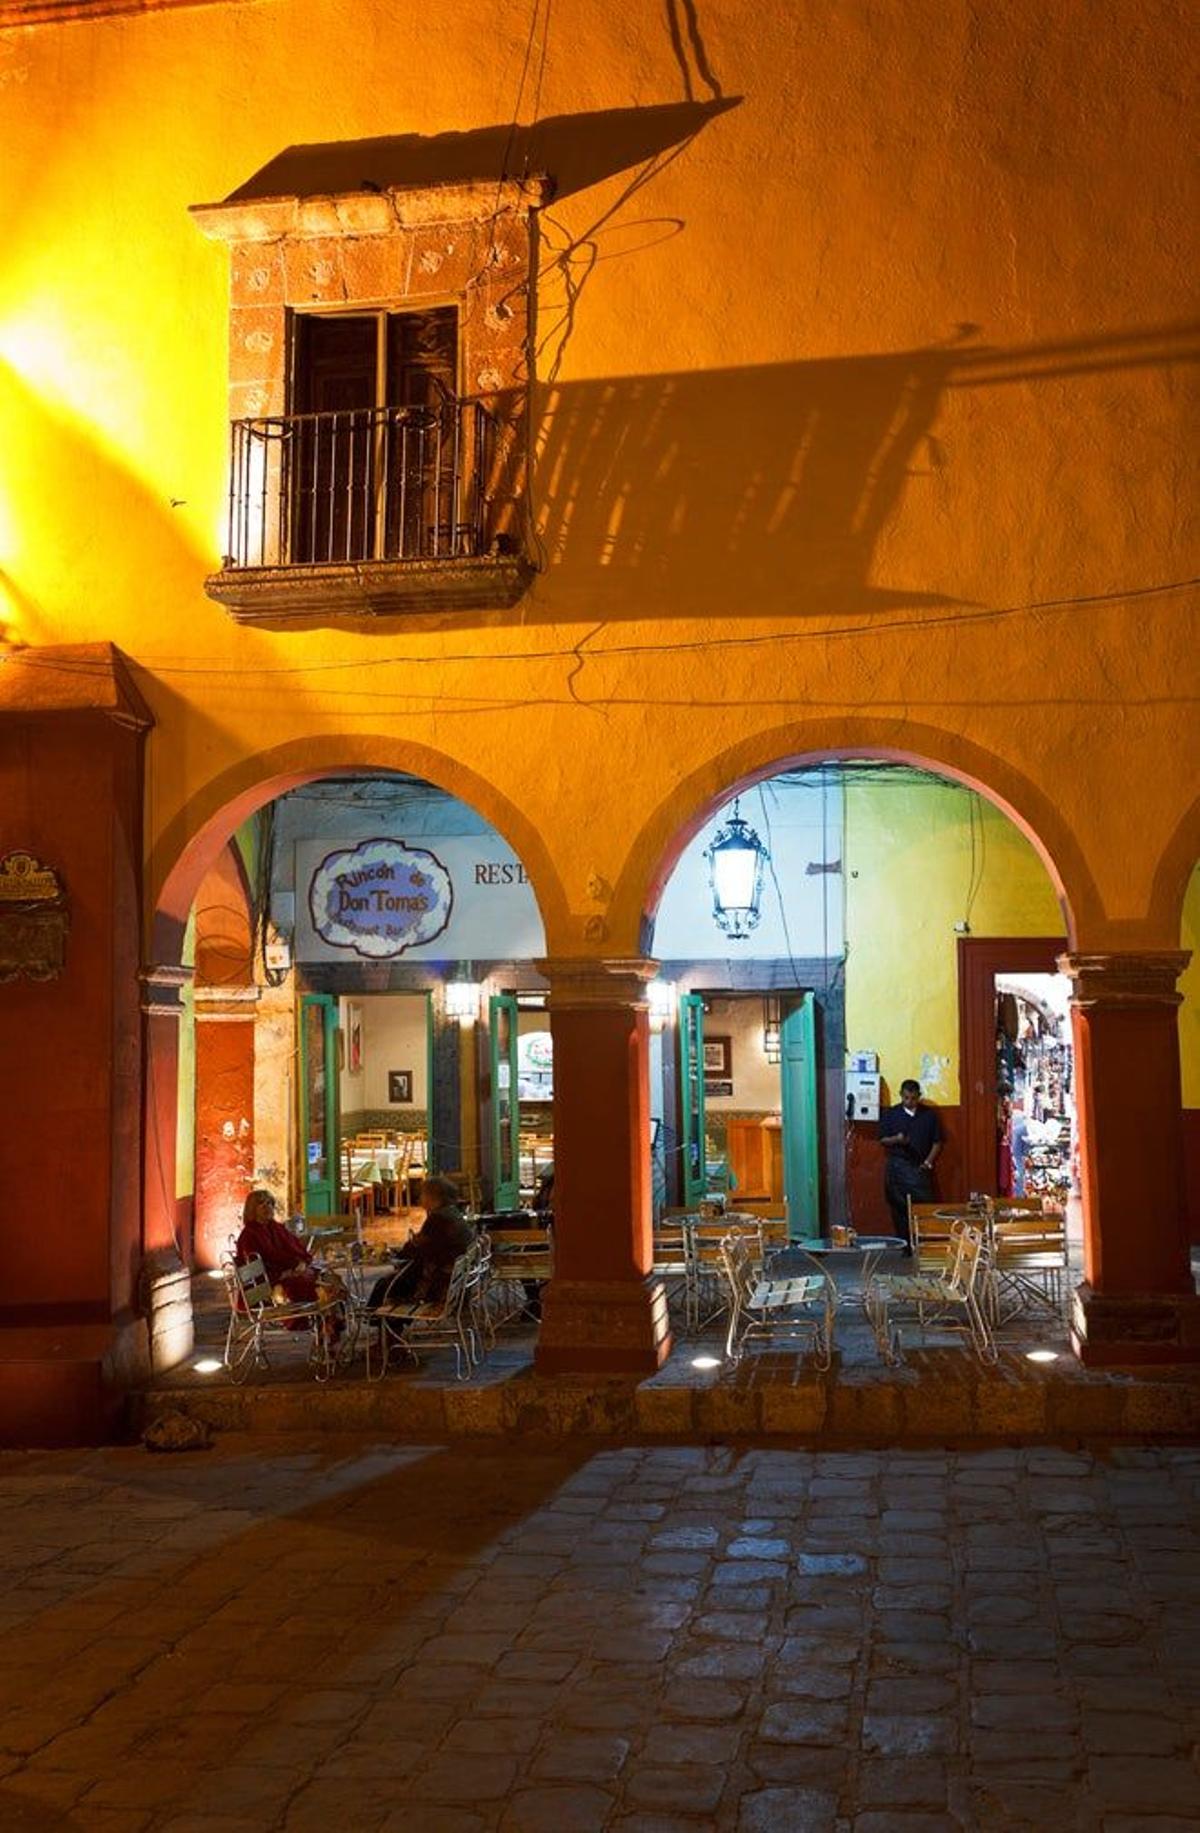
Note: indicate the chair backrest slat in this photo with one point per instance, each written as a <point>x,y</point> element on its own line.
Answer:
<point>253,1283</point>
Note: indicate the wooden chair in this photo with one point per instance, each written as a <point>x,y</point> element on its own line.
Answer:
<point>1029,1257</point>
<point>521,1259</point>
<point>706,1270</point>
<point>670,1262</point>
<point>773,1233</point>
<point>468,1188</point>
<point>931,1226</point>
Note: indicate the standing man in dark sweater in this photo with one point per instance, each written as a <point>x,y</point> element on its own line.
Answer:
<point>912,1136</point>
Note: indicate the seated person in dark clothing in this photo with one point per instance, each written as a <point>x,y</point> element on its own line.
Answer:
<point>912,1136</point>
<point>427,1258</point>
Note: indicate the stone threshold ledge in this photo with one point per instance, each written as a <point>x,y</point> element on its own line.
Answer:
<point>906,1406</point>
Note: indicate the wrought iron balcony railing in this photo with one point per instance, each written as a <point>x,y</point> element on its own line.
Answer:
<point>361,485</point>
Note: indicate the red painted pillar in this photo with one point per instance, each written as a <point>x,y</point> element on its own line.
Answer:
<point>72,729</point>
<point>224,1115</point>
<point>1138,1301</point>
<point>166,1278</point>
<point>602,1313</point>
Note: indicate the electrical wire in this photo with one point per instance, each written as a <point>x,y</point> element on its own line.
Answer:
<point>869,626</point>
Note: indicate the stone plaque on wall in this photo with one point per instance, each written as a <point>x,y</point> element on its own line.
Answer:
<point>33,919</point>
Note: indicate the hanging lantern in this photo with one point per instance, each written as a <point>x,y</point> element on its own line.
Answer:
<point>462,1000</point>
<point>735,870</point>
<point>772,1035</point>
<point>660,996</point>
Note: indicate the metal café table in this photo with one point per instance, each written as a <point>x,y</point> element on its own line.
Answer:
<point>861,1258</point>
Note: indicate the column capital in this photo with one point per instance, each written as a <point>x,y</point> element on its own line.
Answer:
<point>225,1005</point>
<point>586,981</point>
<point>1125,979</point>
<point>162,990</point>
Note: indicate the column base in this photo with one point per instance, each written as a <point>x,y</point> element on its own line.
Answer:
<point>1110,1330</point>
<point>167,1303</point>
<point>57,1386</point>
<point>603,1327</point>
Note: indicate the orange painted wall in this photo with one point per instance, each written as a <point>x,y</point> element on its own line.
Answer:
<point>860,425</point>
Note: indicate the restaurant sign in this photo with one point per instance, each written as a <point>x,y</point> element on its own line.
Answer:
<point>421,897</point>
<point>380,898</point>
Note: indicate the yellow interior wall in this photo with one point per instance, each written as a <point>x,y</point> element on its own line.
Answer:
<point>864,374</point>
<point>908,857</point>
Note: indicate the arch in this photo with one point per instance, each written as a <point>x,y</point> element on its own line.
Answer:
<point>193,839</point>
<point>695,798</point>
<point>224,941</point>
<point>1180,857</point>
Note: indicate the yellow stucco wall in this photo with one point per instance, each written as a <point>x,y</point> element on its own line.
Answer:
<point>913,855</point>
<point>885,354</point>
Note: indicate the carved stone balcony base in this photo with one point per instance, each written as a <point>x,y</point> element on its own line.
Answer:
<point>283,595</point>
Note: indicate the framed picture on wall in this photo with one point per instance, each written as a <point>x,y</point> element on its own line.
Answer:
<point>354,1038</point>
<point>719,1085</point>
<point>718,1056</point>
<point>400,1087</point>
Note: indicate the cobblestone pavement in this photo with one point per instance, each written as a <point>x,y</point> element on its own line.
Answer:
<point>282,1635</point>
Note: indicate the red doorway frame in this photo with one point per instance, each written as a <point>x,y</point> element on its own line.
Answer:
<point>980,959</point>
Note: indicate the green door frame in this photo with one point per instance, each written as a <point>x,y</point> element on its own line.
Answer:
<point>503,1016</point>
<point>691,1097</point>
<point>801,1134</point>
<point>319,1107</point>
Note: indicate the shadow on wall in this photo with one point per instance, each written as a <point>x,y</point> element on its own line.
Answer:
<point>765,489</point>
<point>575,150</point>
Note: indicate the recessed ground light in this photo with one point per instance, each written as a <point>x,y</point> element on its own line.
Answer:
<point>208,1365</point>
<point>1041,1355</point>
<point>706,1361</point>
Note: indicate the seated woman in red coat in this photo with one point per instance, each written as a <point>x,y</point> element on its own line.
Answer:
<point>288,1263</point>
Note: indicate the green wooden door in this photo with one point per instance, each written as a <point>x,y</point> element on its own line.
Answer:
<point>691,1097</point>
<point>319,1103</point>
<point>801,1159</point>
<point>506,1112</point>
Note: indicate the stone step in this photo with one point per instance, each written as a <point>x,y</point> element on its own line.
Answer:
<point>896,1407</point>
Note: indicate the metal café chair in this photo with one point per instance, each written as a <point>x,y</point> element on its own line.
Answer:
<point>706,1291</point>
<point>255,1316</point>
<point>949,1299</point>
<point>446,1323</point>
<point>796,1308</point>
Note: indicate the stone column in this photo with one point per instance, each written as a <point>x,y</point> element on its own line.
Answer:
<point>166,1290</point>
<point>602,1313</point>
<point>1138,1300</point>
<point>224,1115</point>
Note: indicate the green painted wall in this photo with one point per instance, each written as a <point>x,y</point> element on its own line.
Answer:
<point>913,852</point>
